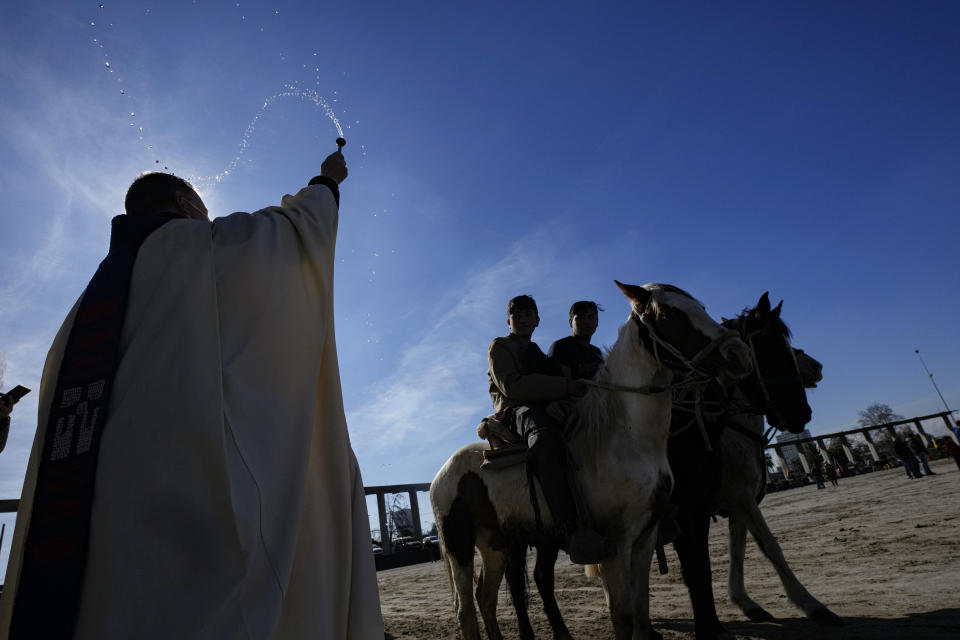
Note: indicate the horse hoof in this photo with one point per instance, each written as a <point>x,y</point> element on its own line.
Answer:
<point>759,614</point>
<point>827,618</point>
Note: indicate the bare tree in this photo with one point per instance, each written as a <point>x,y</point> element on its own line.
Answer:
<point>877,413</point>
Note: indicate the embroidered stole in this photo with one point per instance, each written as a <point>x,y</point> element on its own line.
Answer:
<point>55,551</point>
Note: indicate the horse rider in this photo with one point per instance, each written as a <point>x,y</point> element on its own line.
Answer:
<point>523,380</point>
<point>580,360</point>
<point>574,353</point>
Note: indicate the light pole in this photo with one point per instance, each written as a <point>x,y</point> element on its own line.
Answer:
<point>917,351</point>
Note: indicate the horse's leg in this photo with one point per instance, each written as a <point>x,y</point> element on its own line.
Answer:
<point>694,553</point>
<point>735,585</point>
<point>615,574</point>
<point>462,575</point>
<point>543,573</point>
<point>517,580</point>
<point>640,586</point>
<point>813,608</point>
<point>491,575</point>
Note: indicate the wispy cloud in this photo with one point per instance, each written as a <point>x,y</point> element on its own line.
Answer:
<point>439,383</point>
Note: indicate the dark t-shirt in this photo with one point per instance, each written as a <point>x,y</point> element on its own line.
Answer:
<point>583,360</point>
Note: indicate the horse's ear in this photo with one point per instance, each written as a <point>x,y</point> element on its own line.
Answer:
<point>763,305</point>
<point>638,295</point>
<point>777,309</point>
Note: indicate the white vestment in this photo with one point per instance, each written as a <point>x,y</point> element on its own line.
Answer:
<point>228,501</point>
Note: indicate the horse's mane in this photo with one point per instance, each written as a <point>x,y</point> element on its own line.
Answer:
<point>777,323</point>
<point>600,410</point>
<point>659,286</point>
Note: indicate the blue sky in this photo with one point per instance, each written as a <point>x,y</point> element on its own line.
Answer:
<point>807,149</point>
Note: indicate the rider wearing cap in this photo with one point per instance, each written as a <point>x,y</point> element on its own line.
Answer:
<point>522,382</point>
<point>574,353</point>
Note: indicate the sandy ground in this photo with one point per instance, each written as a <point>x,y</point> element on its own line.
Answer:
<point>881,550</point>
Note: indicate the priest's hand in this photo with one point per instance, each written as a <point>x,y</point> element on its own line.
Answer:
<point>334,167</point>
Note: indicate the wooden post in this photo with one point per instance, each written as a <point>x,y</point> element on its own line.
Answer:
<point>778,454</point>
<point>803,460</point>
<point>415,514</point>
<point>385,542</point>
<point>924,437</point>
<point>953,434</point>
<point>870,445</point>
<point>847,451</point>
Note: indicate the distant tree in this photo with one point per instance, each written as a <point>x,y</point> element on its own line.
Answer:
<point>877,413</point>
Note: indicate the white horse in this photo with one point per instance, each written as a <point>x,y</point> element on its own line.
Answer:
<point>742,488</point>
<point>619,459</point>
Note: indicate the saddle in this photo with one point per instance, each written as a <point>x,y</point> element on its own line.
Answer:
<point>507,448</point>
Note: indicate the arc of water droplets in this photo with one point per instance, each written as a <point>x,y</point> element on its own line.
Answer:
<point>289,91</point>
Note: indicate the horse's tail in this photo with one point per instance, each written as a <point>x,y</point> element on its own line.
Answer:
<point>591,570</point>
<point>449,569</point>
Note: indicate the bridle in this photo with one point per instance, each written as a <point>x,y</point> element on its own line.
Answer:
<point>694,377</point>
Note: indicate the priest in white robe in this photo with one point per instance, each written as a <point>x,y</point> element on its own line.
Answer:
<point>227,500</point>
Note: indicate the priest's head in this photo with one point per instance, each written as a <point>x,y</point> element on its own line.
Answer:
<point>155,192</point>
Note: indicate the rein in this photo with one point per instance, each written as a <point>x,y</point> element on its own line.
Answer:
<point>695,378</point>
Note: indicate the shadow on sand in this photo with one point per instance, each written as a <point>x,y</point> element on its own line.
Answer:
<point>929,625</point>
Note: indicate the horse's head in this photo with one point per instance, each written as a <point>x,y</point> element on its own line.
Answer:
<point>677,329</point>
<point>776,384</point>
<point>811,371</point>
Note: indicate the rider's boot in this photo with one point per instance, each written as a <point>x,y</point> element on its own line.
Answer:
<point>582,544</point>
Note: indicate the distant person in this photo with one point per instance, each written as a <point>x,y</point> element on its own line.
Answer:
<point>919,452</point>
<point>192,469</point>
<point>907,459</point>
<point>832,474</point>
<point>818,476</point>
<point>7,400</point>
<point>952,449</point>
<point>579,358</point>
<point>6,407</point>
<point>522,381</point>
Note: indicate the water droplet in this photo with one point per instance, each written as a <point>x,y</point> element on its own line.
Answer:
<point>141,129</point>
<point>157,161</point>
<point>276,12</point>
<point>122,92</point>
<point>93,24</point>
<point>164,167</point>
<point>243,17</point>
<point>261,29</point>
<point>94,40</point>
<point>100,5</point>
<point>148,10</point>
<point>108,64</point>
<point>149,146</point>
<point>131,124</point>
<point>132,114</point>
<point>314,53</point>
